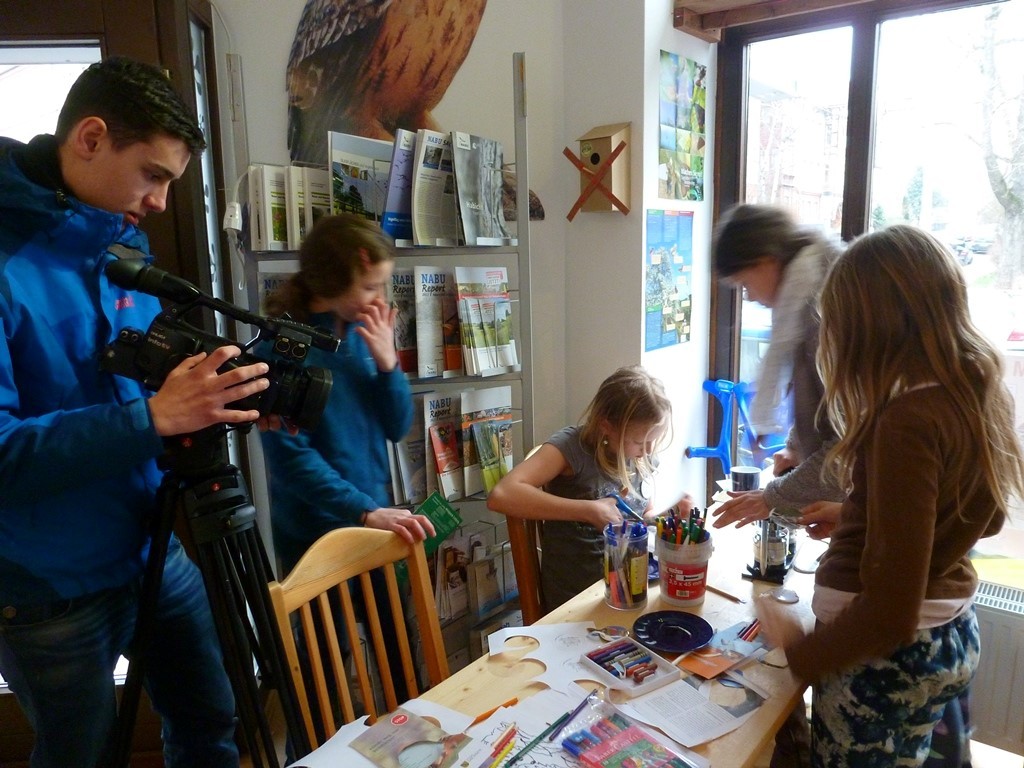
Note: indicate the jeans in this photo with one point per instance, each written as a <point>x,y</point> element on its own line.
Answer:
<point>60,663</point>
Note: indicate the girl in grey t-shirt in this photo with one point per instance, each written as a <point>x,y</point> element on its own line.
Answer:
<point>568,481</point>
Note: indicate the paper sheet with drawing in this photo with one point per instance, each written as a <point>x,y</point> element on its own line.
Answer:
<point>530,718</point>
<point>559,649</point>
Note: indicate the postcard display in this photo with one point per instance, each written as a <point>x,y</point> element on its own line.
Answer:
<point>267,268</point>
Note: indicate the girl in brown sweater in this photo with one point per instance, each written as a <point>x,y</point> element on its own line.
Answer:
<point>930,456</point>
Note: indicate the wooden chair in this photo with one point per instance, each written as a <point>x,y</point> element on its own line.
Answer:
<point>524,540</point>
<point>338,562</point>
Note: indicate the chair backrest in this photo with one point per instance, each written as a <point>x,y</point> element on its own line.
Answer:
<point>524,541</point>
<point>322,583</point>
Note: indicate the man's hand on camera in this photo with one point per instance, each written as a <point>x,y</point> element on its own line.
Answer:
<point>194,396</point>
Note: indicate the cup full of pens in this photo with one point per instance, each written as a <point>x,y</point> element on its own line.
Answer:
<point>683,548</point>
<point>625,565</point>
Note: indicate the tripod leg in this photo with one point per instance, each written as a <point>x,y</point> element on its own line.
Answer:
<point>235,568</point>
<point>119,749</point>
<point>235,571</point>
<point>223,586</point>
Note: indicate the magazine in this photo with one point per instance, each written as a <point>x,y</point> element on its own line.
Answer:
<point>268,208</point>
<point>485,313</point>
<point>443,439</point>
<point>295,206</point>
<point>444,516</point>
<point>403,738</point>
<point>411,455</point>
<point>359,174</point>
<point>403,299</point>
<point>316,189</point>
<point>492,405</point>
<point>477,161</point>
<point>397,217</point>
<point>438,340</point>
<point>724,651</point>
<point>435,219</point>
<point>438,409</point>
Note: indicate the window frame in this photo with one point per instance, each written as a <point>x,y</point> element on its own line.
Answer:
<point>730,146</point>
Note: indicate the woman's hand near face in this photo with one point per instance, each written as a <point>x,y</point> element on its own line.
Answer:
<point>377,328</point>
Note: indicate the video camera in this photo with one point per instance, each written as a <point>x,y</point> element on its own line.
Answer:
<point>296,393</point>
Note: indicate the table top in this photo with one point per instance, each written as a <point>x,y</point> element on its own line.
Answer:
<point>491,680</point>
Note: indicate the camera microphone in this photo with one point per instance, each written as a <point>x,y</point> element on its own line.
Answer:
<point>134,274</point>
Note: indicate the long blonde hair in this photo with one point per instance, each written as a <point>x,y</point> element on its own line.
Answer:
<point>627,397</point>
<point>894,315</point>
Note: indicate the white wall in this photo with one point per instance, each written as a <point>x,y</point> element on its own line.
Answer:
<point>684,367</point>
<point>612,76</point>
<point>589,62</point>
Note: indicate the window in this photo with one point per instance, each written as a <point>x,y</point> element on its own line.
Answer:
<point>37,78</point>
<point>876,114</point>
<point>795,146</point>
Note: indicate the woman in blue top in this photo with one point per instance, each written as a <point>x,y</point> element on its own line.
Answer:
<point>337,475</point>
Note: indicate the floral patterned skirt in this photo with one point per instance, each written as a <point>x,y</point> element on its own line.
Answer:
<point>883,713</point>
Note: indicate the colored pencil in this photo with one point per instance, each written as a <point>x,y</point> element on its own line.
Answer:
<point>572,715</point>
<point>543,735</point>
<point>504,753</point>
<point>725,594</point>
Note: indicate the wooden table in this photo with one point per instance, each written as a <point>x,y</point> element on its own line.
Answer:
<point>492,680</point>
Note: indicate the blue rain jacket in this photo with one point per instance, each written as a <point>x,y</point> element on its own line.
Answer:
<point>77,445</point>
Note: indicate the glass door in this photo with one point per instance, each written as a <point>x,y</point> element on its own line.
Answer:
<point>795,150</point>
<point>935,137</point>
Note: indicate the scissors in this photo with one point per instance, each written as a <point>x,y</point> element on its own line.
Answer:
<point>624,508</point>
<point>608,633</point>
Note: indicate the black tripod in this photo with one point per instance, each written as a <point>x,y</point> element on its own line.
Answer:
<point>230,554</point>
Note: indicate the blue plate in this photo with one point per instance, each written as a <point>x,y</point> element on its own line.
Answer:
<point>672,631</point>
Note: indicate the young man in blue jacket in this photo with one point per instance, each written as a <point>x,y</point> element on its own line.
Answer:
<point>78,445</point>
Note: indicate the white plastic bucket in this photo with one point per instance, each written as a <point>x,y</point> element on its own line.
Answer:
<point>683,571</point>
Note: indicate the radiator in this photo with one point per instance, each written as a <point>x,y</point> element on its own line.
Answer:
<point>997,692</point>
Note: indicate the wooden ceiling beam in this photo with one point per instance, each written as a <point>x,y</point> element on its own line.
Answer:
<point>691,22</point>
<point>708,25</point>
